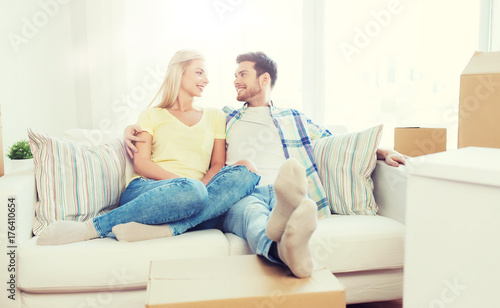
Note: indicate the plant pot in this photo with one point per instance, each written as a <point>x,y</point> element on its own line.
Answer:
<point>21,164</point>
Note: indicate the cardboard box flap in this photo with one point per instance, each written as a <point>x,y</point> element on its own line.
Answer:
<point>483,63</point>
<point>244,288</point>
<point>245,281</point>
<point>209,268</point>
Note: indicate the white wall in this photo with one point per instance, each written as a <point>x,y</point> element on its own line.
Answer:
<point>37,74</point>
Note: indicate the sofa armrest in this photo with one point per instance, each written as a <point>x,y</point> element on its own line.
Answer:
<point>17,200</point>
<point>19,186</point>
<point>390,190</point>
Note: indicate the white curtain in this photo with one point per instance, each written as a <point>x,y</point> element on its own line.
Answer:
<point>101,62</point>
<point>129,43</point>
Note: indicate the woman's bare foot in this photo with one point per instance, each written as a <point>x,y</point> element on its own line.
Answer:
<point>65,232</point>
<point>134,231</point>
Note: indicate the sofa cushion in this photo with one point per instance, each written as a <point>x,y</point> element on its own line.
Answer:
<point>237,245</point>
<point>107,264</point>
<point>74,181</point>
<point>348,243</point>
<point>108,298</point>
<point>345,165</point>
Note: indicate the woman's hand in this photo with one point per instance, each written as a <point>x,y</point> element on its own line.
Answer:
<point>129,134</point>
<point>217,161</point>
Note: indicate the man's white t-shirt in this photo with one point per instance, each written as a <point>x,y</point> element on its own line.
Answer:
<point>256,138</point>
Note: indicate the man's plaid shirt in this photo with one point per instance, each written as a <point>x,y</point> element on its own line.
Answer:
<point>296,132</point>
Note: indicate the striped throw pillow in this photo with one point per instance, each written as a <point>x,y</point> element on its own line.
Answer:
<point>345,165</point>
<point>74,181</point>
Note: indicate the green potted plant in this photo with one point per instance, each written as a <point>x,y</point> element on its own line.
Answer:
<point>20,154</point>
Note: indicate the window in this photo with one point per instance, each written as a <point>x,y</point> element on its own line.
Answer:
<point>490,25</point>
<point>397,63</point>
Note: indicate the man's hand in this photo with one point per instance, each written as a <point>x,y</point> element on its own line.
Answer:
<point>129,134</point>
<point>391,157</point>
<point>394,159</point>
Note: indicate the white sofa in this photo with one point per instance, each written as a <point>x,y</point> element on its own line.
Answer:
<point>364,252</point>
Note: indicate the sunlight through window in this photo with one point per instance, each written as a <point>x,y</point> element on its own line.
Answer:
<point>397,63</point>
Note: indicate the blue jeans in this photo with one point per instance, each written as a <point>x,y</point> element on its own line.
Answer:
<point>182,203</point>
<point>248,219</point>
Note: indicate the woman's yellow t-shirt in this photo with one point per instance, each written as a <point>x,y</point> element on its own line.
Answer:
<point>181,149</point>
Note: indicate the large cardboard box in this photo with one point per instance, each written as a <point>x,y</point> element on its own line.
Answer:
<point>479,110</point>
<point>238,281</point>
<point>418,141</point>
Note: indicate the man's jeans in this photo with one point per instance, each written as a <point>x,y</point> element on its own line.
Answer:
<point>181,203</point>
<point>248,219</point>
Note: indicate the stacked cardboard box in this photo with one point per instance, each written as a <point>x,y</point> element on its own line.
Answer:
<point>418,141</point>
<point>479,111</point>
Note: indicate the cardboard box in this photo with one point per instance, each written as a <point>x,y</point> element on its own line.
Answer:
<point>2,169</point>
<point>418,141</point>
<point>238,281</point>
<point>479,109</point>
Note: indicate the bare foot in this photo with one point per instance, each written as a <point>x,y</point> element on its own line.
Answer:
<point>65,232</point>
<point>293,248</point>
<point>134,231</point>
<point>290,188</point>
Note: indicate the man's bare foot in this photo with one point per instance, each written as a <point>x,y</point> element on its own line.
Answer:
<point>293,249</point>
<point>290,189</point>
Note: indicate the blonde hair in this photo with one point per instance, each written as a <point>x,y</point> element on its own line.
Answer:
<point>169,89</point>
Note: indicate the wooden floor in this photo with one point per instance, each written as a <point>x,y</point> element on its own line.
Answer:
<point>391,304</point>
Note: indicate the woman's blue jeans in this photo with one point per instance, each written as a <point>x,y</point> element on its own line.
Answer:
<point>182,203</point>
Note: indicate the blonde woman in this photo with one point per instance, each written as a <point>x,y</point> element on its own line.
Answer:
<point>180,179</point>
